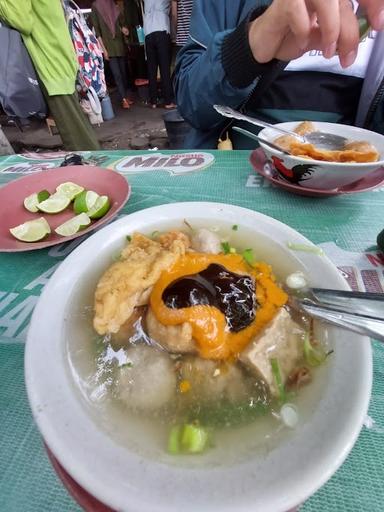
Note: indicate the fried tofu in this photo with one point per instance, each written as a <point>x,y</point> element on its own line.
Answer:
<point>286,141</point>
<point>281,339</point>
<point>354,151</point>
<point>127,283</point>
<point>304,128</point>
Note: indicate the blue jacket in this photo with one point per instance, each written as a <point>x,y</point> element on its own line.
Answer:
<point>214,68</point>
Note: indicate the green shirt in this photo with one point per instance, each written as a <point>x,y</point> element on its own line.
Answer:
<point>115,46</point>
<point>45,33</point>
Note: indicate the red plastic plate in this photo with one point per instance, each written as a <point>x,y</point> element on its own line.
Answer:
<point>264,168</point>
<point>88,502</point>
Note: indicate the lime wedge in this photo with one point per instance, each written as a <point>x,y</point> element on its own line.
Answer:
<point>31,202</point>
<point>54,204</point>
<point>84,201</point>
<point>74,225</point>
<point>69,189</point>
<point>100,208</point>
<point>31,231</point>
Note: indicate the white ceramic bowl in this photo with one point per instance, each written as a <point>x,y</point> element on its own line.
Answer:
<point>317,174</point>
<point>271,481</point>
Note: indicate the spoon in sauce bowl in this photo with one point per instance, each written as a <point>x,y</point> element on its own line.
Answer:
<point>322,140</point>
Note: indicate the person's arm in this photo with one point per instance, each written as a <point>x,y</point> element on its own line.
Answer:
<point>17,15</point>
<point>174,10</point>
<point>122,22</point>
<point>290,28</point>
<point>174,18</point>
<point>228,58</point>
<point>217,65</point>
<point>103,48</point>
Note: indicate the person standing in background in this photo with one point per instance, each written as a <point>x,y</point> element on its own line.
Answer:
<point>109,24</point>
<point>280,60</point>
<point>158,48</point>
<point>181,18</point>
<point>45,34</point>
<point>133,14</point>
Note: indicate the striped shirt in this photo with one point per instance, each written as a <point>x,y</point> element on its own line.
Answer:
<point>184,12</point>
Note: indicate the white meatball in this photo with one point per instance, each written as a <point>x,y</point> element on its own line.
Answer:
<point>173,338</point>
<point>148,382</point>
<point>210,382</point>
<point>204,240</point>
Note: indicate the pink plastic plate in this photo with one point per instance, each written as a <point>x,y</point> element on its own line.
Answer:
<point>265,168</point>
<point>13,213</point>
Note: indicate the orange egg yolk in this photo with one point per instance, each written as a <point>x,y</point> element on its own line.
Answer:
<point>209,327</point>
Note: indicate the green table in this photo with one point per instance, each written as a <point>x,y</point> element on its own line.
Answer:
<point>345,226</point>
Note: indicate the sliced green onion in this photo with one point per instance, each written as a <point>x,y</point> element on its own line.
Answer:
<point>235,227</point>
<point>193,438</point>
<point>129,238</point>
<point>174,440</point>
<point>154,233</point>
<point>249,256</point>
<point>226,247</point>
<point>100,344</point>
<point>188,438</point>
<point>226,413</point>
<point>305,248</point>
<point>314,356</point>
<point>129,364</point>
<point>276,371</point>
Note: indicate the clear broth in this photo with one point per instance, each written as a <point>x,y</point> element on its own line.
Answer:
<point>148,436</point>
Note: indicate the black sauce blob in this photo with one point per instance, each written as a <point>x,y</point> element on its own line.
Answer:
<point>233,294</point>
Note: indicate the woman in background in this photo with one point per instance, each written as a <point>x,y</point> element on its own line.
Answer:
<point>51,50</point>
<point>109,24</point>
<point>133,14</point>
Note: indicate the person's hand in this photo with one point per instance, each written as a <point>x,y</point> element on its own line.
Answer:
<point>103,48</point>
<point>290,28</point>
<point>125,31</point>
<point>375,12</point>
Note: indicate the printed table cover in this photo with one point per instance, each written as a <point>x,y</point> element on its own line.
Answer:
<point>344,226</point>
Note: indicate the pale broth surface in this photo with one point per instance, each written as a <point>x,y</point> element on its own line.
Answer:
<point>147,434</point>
